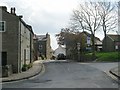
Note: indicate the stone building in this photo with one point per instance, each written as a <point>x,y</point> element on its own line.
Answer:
<point>17,40</point>
<point>45,51</point>
<point>36,49</point>
<point>112,43</point>
<point>80,43</point>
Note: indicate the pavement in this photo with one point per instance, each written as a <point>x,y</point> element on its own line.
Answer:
<point>33,71</point>
<point>37,68</point>
<point>116,72</point>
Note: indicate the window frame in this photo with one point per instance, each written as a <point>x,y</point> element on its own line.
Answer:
<point>4,26</point>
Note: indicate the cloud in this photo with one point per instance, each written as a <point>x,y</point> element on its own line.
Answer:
<point>44,15</point>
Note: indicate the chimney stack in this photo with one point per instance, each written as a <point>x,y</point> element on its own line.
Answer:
<point>20,16</point>
<point>3,8</point>
<point>13,10</point>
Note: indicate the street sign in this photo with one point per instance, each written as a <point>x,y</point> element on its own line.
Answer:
<point>88,40</point>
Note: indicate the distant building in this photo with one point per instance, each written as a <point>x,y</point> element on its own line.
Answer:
<point>17,40</point>
<point>112,43</point>
<point>88,40</point>
<point>59,50</point>
<point>45,51</point>
<point>81,42</point>
<point>36,47</point>
<point>98,44</point>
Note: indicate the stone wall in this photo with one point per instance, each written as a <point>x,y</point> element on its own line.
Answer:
<point>6,70</point>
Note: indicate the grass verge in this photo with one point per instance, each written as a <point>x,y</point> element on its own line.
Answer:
<point>108,56</point>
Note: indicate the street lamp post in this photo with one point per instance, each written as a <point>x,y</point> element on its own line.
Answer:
<point>78,48</point>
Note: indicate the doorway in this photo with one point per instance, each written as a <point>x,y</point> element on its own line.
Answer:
<point>4,58</point>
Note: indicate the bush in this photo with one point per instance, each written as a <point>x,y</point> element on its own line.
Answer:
<point>25,67</point>
<point>86,57</point>
<point>30,65</point>
<point>42,57</point>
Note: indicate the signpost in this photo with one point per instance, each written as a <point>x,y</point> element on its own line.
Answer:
<point>78,48</point>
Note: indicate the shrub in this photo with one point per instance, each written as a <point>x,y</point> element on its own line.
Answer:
<point>29,65</point>
<point>25,67</point>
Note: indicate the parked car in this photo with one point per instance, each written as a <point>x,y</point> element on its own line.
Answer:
<point>61,56</point>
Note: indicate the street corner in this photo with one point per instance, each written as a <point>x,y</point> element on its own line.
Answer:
<point>37,69</point>
<point>115,73</point>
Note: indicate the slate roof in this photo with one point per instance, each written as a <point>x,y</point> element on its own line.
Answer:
<point>114,37</point>
<point>86,33</point>
<point>41,37</point>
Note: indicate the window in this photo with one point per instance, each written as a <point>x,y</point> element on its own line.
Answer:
<point>116,47</point>
<point>40,46</point>
<point>4,58</point>
<point>2,26</point>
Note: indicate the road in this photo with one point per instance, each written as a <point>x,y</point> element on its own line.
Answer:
<point>68,75</point>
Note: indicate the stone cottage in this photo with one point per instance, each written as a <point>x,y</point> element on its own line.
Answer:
<point>17,40</point>
<point>112,43</point>
<point>44,46</point>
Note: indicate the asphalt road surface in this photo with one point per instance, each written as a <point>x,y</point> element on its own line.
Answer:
<point>67,75</point>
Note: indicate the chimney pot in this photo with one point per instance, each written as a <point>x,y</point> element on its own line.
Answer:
<point>13,10</point>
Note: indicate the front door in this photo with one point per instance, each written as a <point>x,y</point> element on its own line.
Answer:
<point>4,58</point>
<point>24,56</point>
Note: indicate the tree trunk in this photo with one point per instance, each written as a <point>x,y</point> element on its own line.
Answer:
<point>105,41</point>
<point>105,34</point>
<point>93,46</point>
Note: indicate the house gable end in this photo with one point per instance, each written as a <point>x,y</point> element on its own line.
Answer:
<point>110,38</point>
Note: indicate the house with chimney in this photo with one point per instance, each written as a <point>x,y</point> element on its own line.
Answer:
<point>44,46</point>
<point>17,41</point>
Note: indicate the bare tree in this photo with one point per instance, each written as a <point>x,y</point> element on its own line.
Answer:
<point>118,32</point>
<point>62,36</point>
<point>109,16</point>
<point>87,18</point>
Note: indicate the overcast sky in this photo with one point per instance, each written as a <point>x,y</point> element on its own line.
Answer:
<point>45,15</point>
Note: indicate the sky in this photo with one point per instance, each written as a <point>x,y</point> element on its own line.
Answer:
<point>46,16</point>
